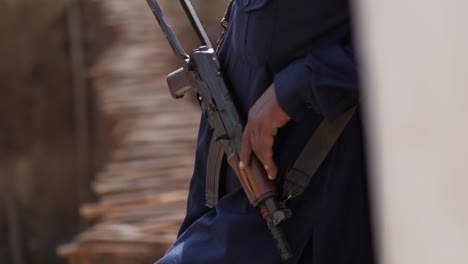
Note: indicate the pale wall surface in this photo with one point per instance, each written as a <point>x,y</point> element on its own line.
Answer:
<point>416,57</point>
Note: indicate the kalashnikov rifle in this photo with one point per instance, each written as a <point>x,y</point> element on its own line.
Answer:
<point>201,71</point>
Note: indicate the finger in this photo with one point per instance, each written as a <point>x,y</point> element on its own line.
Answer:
<point>272,171</point>
<point>265,150</point>
<point>246,150</point>
<point>267,156</point>
<point>262,147</point>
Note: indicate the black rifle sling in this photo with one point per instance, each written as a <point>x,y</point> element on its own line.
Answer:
<point>224,25</point>
<point>313,154</point>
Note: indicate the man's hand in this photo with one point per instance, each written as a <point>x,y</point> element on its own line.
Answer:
<point>265,118</point>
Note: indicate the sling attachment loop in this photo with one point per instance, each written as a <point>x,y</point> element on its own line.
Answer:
<point>224,25</point>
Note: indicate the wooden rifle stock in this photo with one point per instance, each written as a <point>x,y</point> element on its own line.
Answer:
<point>254,179</point>
<point>262,194</point>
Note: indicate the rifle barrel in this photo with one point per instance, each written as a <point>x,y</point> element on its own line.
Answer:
<point>168,32</point>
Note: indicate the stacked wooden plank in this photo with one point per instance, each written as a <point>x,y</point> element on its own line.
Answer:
<point>142,190</point>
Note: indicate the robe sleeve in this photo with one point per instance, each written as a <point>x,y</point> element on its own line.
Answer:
<point>324,81</point>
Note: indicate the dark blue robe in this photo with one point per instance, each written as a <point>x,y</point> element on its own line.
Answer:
<point>305,48</point>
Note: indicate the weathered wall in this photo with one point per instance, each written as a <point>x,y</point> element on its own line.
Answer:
<point>416,76</point>
<point>40,191</point>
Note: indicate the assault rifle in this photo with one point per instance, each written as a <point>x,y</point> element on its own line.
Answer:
<point>201,71</point>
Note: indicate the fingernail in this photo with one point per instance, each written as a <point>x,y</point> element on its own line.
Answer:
<point>266,167</point>
<point>270,177</point>
<point>241,165</point>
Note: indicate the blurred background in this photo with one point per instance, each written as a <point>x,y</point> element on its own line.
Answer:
<point>95,155</point>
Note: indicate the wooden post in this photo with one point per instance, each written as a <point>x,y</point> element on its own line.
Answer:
<point>81,96</point>
<point>14,231</point>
